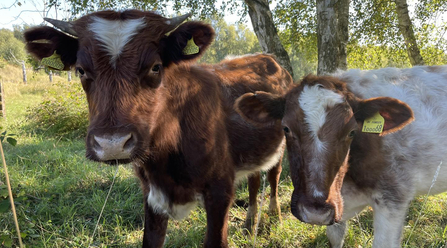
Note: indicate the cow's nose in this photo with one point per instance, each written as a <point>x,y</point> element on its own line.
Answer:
<point>113,146</point>
<point>316,216</point>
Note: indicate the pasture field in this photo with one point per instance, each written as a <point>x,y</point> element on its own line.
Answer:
<point>59,194</point>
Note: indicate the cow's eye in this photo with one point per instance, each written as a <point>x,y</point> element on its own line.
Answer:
<point>286,130</point>
<point>351,134</point>
<point>156,68</point>
<point>80,71</point>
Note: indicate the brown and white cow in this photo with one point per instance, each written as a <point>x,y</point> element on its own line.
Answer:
<point>174,120</point>
<point>337,169</point>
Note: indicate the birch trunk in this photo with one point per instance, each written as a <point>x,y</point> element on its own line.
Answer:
<point>265,30</point>
<point>342,14</point>
<point>406,29</point>
<point>328,42</point>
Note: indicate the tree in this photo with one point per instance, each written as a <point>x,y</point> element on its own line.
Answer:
<point>11,49</point>
<point>342,15</point>
<point>264,27</point>
<point>406,29</point>
<point>230,40</point>
<point>329,39</point>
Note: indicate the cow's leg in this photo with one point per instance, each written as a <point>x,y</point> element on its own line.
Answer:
<point>336,234</point>
<point>155,226</point>
<point>254,182</point>
<point>389,219</point>
<point>273,176</point>
<point>218,198</point>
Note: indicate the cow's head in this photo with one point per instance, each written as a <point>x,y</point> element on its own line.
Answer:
<point>322,120</point>
<point>122,59</point>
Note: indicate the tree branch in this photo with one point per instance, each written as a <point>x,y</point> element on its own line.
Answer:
<point>9,6</point>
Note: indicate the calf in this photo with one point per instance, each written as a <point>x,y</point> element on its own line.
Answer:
<point>339,165</point>
<point>172,119</point>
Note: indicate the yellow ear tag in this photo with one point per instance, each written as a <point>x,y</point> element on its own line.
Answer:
<point>373,124</point>
<point>54,61</point>
<point>191,48</point>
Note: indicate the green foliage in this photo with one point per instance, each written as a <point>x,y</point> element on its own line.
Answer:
<point>297,22</point>
<point>367,57</point>
<point>11,47</point>
<point>62,113</point>
<point>9,138</point>
<point>230,40</point>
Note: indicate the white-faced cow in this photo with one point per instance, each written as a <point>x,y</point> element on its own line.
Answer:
<point>337,169</point>
<point>174,120</point>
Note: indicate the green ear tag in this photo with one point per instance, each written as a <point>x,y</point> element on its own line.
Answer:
<point>54,61</point>
<point>191,48</point>
<point>374,124</point>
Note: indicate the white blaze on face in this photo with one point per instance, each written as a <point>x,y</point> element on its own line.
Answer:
<point>115,34</point>
<point>314,101</point>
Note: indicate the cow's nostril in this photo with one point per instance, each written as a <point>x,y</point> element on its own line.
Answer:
<point>130,143</point>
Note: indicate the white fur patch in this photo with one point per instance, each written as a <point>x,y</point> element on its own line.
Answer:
<point>114,35</point>
<point>160,204</point>
<point>314,101</point>
<point>268,163</point>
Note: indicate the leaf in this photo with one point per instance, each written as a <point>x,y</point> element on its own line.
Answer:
<point>4,206</point>
<point>3,192</point>
<point>23,235</point>
<point>7,242</point>
<point>11,141</point>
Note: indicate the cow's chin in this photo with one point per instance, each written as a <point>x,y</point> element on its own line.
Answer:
<point>112,161</point>
<point>117,161</point>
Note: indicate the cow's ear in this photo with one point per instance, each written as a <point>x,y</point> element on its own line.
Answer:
<point>261,107</point>
<point>395,113</point>
<point>186,42</point>
<point>53,46</point>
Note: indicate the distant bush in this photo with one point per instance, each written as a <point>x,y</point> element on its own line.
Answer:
<point>63,112</point>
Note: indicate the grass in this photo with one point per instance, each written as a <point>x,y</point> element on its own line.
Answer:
<point>59,195</point>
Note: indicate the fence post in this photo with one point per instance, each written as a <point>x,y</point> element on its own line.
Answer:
<point>69,76</point>
<point>2,101</point>
<point>24,71</point>
<point>50,74</point>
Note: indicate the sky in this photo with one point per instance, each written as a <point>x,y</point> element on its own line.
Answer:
<point>31,12</point>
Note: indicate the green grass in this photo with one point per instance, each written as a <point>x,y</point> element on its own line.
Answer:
<point>59,196</point>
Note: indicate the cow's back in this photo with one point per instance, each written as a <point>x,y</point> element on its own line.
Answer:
<point>417,150</point>
<point>252,145</point>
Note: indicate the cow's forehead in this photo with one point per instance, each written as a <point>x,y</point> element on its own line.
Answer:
<point>314,101</point>
<point>113,35</point>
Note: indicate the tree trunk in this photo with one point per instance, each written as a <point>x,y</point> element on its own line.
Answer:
<point>406,28</point>
<point>265,30</point>
<point>342,14</point>
<point>328,42</point>
<point>24,72</point>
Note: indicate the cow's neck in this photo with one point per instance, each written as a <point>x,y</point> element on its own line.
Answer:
<point>165,128</point>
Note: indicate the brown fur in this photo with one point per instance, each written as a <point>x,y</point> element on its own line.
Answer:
<point>186,137</point>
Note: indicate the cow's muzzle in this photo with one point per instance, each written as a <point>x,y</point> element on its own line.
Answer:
<point>312,212</point>
<point>111,148</point>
